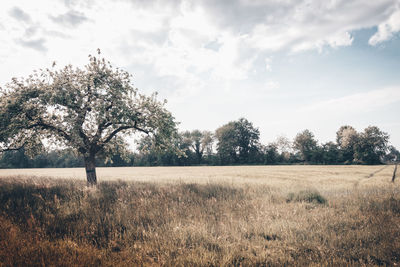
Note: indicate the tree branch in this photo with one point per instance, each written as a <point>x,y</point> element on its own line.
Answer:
<point>46,126</point>
<point>52,128</point>
<point>13,148</point>
<point>101,128</point>
<point>121,128</point>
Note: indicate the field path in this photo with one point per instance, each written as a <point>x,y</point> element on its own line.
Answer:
<point>375,172</point>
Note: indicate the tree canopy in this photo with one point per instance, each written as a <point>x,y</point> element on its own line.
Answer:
<point>198,142</point>
<point>88,110</point>
<point>238,142</point>
<point>371,146</point>
<point>305,143</point>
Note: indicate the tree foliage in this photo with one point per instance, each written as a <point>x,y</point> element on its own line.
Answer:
<point>371,146</point>
<point>393,154</point>
<point>346,139</point>
<point>238,142</point>
<point>199,143</point>
<point>306,144</point>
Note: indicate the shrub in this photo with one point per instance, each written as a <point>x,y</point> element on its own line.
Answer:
<point>312,196</point>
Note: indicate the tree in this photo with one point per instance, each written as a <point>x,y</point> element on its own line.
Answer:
<point>305,143</point>
<point>371,146</point>
<point>238,142</point>
<point>330,153</point>
<point>14,159</point>
<point>227,147</point>
<point>346,139</point>
<point>271,154</point>
<point>284,147</point>
<point>393,155</point>
<point>150,154</point>
<point>88,110</point>
<point>248,141</point>
<point>199,142</point>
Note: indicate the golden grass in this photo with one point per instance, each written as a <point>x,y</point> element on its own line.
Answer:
<point>341,176</point>
<point>216,216</point>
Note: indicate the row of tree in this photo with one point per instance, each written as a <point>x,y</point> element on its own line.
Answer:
<point>237,142</point>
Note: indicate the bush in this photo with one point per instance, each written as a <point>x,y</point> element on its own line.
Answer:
<point>311,196</point>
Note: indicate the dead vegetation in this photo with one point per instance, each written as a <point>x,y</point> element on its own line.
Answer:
<point>59,222</point>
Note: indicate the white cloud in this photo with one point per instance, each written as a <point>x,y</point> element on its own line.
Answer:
<point>340,39</point>
<point>386,29</point>
<point>272,85</point>
<point>360,102</point>
<point>308,25</point>
<point>268,66</point>
<point>19,14</point>
<point>174,36</point>
<point>71,19</point>
<point>195,42</point>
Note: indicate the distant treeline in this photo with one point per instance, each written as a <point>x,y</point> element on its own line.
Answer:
<point>235,143</point>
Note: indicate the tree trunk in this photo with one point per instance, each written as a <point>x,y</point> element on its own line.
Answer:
<point>90,167</point>
<point>199,156</point>
<point>394,173</point>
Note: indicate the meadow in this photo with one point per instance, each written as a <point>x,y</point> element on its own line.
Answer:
<point>201,216</point>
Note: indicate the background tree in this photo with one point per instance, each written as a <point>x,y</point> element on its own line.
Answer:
<point>85,109</point>
<point>238,142</point>
<point>393,155</point>
<point>346,139</point>
<point>331,154</point>
<point>284,147</point>
<point>305,144</point>
<point>248,141</point>
<point>271,154</point>
<point>150,154</point>
<point>371,146</point>
<point>317,155</point>
<point>208,144</point>
<point>15,159</point>
<point>227,147</point>
<point>199,142</point>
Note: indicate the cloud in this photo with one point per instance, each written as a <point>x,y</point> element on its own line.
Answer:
<point>386,29</point>
<point>298,25</point>
<point>58,34</point>
<point>272,85</point>
<point>19,14</point>
<point>360,102</point>
<point>37,44</point>
<point>71,18</point>
<point>268,61</point>
<point>188,44</point>
<point>217,41</point>
<point>222,39</point>
<point>32,30</point>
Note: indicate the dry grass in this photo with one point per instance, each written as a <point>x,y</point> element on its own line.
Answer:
<point>218,216</point>
<point>338,177</point>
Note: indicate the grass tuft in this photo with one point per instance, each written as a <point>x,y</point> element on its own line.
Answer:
<point>311,196</point>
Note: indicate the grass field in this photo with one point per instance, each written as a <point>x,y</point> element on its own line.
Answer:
<point>330,176</point>
<point>201,216</point>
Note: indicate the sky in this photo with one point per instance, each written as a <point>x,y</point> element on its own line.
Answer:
<point>285,65</point>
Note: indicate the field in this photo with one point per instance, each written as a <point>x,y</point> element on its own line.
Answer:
<point>201,216</point>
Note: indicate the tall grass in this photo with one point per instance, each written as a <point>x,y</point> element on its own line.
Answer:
<point>55,222</point>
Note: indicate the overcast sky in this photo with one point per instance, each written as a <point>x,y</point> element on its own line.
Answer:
<point>284,65</point>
